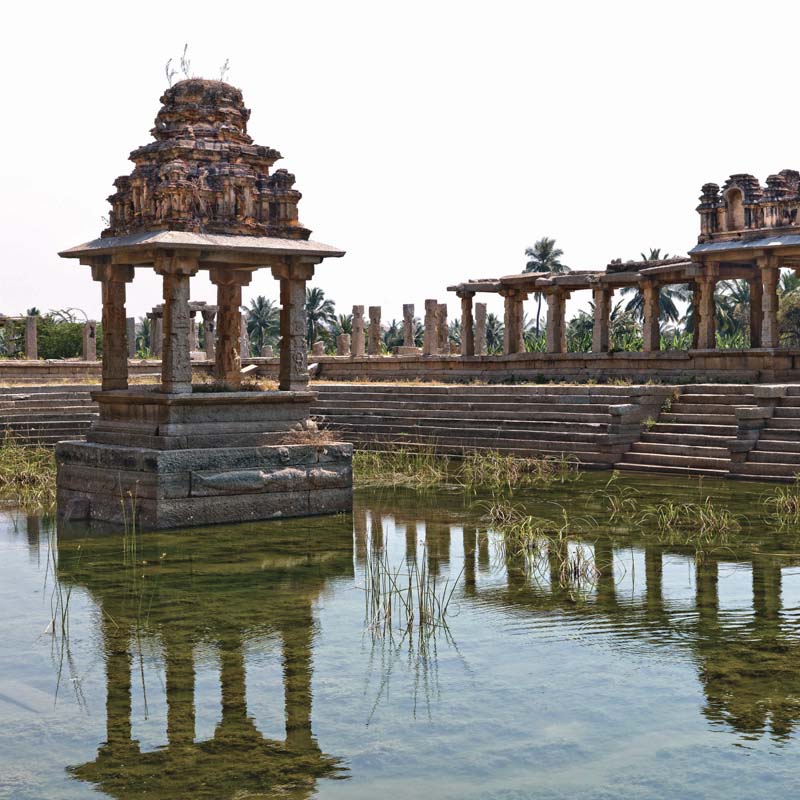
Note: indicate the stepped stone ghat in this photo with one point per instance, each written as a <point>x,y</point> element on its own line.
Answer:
<point>719,430</point>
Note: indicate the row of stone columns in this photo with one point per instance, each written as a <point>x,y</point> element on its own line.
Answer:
<point>176,319</point>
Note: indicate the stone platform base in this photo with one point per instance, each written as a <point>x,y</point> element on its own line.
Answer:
<point>182,488</point>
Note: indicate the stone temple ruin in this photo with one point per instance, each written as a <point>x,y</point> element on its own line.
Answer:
<point>202,197</point>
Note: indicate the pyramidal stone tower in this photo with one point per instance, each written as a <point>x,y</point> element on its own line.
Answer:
<point>202,196</point>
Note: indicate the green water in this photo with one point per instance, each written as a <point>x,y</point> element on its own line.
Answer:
<point>243,661</point>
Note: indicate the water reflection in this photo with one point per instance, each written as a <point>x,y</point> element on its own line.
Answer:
<point>225,592</point>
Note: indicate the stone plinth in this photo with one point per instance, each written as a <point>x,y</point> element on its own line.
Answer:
<point>199,459</point>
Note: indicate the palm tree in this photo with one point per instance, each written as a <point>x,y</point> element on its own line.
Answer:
<point>393,335</point>
<point>494,333</point>
<point>319,313</point>
<point>143,339</point>
<point>33,312</point>
<point>454,331</point>
<point>544,257</point>
<point>788,283</point>
<point>655,255</point>
<point>668,296</point>
<point>263,322</point>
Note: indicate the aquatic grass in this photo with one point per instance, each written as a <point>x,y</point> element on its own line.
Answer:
<point>783,504</point>
<point>500,471</point>
<point>619,499</point>
<point>417,468</point>
<point>27,476</point>
<point>698,524</point>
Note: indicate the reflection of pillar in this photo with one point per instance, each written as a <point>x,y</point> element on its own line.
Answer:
<point>770,273</point>
<point>116,639</point>
<point>602,308</point>
<point>297,679</point>
<point>437,547</point>
<point>651,330</point>
<point>483,552</point>
<point>706,581</point>
<point>469,558</point>
<point>411,543</point>
<point>360,534</point>
<point>233,688</point>
<point>604,562</point>
<point>756,311</point>
<point>480,329</point>
<point>653,577</point>
<point>766,587</point>
<point>113,278</point>
<point>176,366</point>
<point>228,361</point>
<point>467,324</point>
<point>180,690</point>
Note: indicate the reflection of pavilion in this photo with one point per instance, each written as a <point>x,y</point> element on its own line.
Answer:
<point>747,663</point>
<point>225,594</point>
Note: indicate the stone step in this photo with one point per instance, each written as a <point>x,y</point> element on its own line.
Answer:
<point>657,437</point>
<point>769,470</point>
<point>778,445</point>
<point>787,412</point>
<point>46,414</point>
<point>447,405</point>
<point>693,462</point>
<point>465,431</point>
<point>682,449</point>
<point>61,388</point>
<point>695,429</point>
<point>551,414</point>
<point>671,469</point>
<point>778,457</point>
<point>782,423</point>
<point>704,409</point>
<point>697,419</point>
<point>717,399</point>
<point>780,435</point>
<point>478,389</point>
<point>706,389</point>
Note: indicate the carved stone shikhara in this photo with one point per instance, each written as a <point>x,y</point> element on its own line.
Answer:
<point>202,197</point>
<point>203,173</point>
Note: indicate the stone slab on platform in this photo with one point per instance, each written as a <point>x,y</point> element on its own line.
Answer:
<point>181,488</point>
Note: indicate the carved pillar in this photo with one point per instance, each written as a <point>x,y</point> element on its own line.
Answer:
<point>602,309</point>
<point>770,273</point>
<point>430,341</point>
<point>756,310</point>
<point>157,332</point>
<point>194,339</point>
<point>374,348</point>
<point>706,311</point>
<point>513,337</point>
<point>358,331</point>
<point>31,344</point>
<point>651,330</point>
<point>130,336</point>
<point>480,329</point>
<point>209,332</point>
<point>89,340</point>
<point>113,278</point>
<point>467,324</point>
<point>228,361</point>
<point>293,370</point>
<point>442,329</point>
<point>176,366</point>
<point>244,346</point>
<point>408,325</point>
<point>555,326</point>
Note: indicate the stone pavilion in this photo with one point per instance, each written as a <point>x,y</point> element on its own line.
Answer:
<point>202,196</point>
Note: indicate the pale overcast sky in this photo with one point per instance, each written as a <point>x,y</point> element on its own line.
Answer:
<point>432,140</point>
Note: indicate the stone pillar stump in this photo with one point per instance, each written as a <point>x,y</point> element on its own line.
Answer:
<point>358,331</point>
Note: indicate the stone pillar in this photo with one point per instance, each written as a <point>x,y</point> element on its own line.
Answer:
<point>293,370</point>
<point>651,326</point>
<point>408,325</point>
<point>443,330</point>
<point>318,349</point>
<point>374,348</point>
<point>695,314</point>
<point>343,344</point>
<point>176,365</point>
<point>90,340</point>
<point>244,345</point>
<point>467,324</point>
<point>602,310</point>
<point>130,336</point>
<point>770,274</point>
<point>430,340</point>
<point>706,313</point>
<point>480,329</point>
<point>513,338</point>
<point>756,310</point>
<point>228,361</point>
<point>209,332</point>
<point>555,328</point>
<point>358,331</point>
<point>157,333</point>
<point>113,278</point>
<point>267,351</point>
<point>31,344</point>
